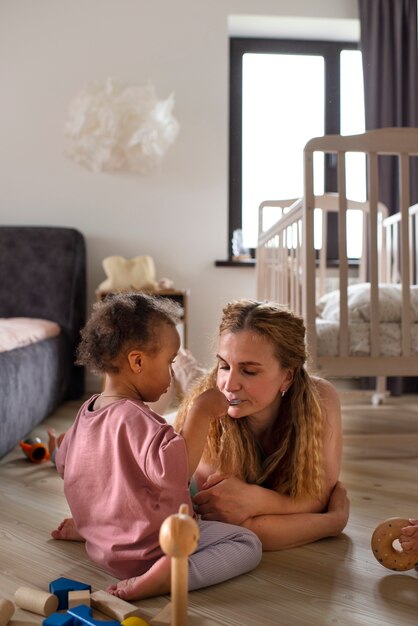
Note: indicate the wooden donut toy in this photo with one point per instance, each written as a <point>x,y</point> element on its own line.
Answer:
<point>384,550</point>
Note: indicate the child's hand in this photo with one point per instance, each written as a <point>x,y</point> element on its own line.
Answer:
<point>409,537</point>
<point>212,402</point>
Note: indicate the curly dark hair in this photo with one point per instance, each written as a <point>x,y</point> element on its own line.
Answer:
<point>121,321</point>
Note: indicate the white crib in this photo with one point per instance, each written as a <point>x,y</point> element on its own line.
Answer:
<point>368,325</point>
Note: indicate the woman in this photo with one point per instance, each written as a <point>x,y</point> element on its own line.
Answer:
<point>272,463</point>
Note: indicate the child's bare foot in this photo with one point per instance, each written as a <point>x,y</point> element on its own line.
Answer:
<point>338,508</point>
<point>67,531</point>
<point>155,582</point>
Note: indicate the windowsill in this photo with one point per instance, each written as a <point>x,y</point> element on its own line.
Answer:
<point>251,263</point>
<point>232,263</point>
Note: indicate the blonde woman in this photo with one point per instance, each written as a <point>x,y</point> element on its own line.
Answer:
<point>272,463</point>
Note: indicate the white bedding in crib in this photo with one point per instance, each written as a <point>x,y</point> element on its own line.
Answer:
<point>359,338</point>
<point>358,304</point>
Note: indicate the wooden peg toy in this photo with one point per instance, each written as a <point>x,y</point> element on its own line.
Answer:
<point>36,600</point>
<point>7,608</point>
<point>179,536</point>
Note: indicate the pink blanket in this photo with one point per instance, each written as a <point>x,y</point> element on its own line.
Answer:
<point>16,332</point>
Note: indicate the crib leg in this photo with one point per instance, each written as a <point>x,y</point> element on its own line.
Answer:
<point>379,395</point>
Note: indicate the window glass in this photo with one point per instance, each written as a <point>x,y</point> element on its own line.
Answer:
<point>276,124</point>
<point>283,93</point>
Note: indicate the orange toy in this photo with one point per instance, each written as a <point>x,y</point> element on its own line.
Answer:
<point>35,450</point>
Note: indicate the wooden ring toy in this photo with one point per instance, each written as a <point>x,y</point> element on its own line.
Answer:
<point>384,550</point>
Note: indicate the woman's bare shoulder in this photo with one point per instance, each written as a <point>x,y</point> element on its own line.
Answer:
<point>328,394</point>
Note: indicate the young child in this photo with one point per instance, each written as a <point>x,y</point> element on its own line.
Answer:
<point>125,469</point>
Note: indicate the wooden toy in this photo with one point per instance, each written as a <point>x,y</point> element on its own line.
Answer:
<point>36,600</point>
<point>113,606</point>
<point>83,616</point>
<point>179,536</point>
<point>81,596</point>
<point>59,619</point>
<point>384,550</point>
<point>7,608</point>
<point>134,621</point>
<point>61,586</point>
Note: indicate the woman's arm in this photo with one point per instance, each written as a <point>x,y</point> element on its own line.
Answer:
<point>230,499</point>
<point>280,532</point>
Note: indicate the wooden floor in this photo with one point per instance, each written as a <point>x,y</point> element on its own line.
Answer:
<point>334,581</point>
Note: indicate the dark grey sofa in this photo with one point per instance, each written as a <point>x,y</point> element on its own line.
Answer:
<point>42,275</point>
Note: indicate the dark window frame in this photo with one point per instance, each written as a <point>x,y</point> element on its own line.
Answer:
<point>238,46</point>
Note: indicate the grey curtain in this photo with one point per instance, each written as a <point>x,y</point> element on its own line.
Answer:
<point>388,43</point>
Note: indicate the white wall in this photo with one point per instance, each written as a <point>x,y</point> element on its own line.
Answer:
<point>49,50</point>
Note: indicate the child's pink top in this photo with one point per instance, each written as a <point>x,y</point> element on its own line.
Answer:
<point>125,470</point>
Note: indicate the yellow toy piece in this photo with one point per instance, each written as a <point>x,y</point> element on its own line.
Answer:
<point>134,621</point>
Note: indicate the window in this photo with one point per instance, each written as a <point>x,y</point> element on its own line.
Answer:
<point>282,93</point>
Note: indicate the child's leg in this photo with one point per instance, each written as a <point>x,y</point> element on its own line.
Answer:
<point>224,551</point>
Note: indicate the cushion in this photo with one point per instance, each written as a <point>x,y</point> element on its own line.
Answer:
<point>124,274</point>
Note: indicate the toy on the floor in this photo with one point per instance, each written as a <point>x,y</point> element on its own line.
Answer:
<point>179,536</point>
<point>36,600</point>
<point>134,621</point>
<point>61,588</point>
<point>114,607</point>
<point>7,608</point>
<point>35,450</point>
<point>384,550</point>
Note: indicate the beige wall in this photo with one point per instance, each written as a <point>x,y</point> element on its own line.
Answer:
<point>49,49</point>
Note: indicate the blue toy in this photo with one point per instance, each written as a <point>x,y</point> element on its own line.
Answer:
<point>61,586</point>
<point>82,616</point>
<point>59,619</point>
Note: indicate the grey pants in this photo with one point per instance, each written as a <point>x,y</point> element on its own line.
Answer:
<point>224,551</point>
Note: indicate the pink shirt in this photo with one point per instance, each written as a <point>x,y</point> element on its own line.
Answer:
<point>125,470</point>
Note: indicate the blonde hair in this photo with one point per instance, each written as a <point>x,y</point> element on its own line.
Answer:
<point>296,467</point>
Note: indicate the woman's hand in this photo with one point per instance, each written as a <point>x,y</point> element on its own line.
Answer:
<point>224,499</point>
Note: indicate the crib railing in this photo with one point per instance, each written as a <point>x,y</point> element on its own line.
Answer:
<point>280,249</point>
<point>400,143</point>
<point>290,270</point>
